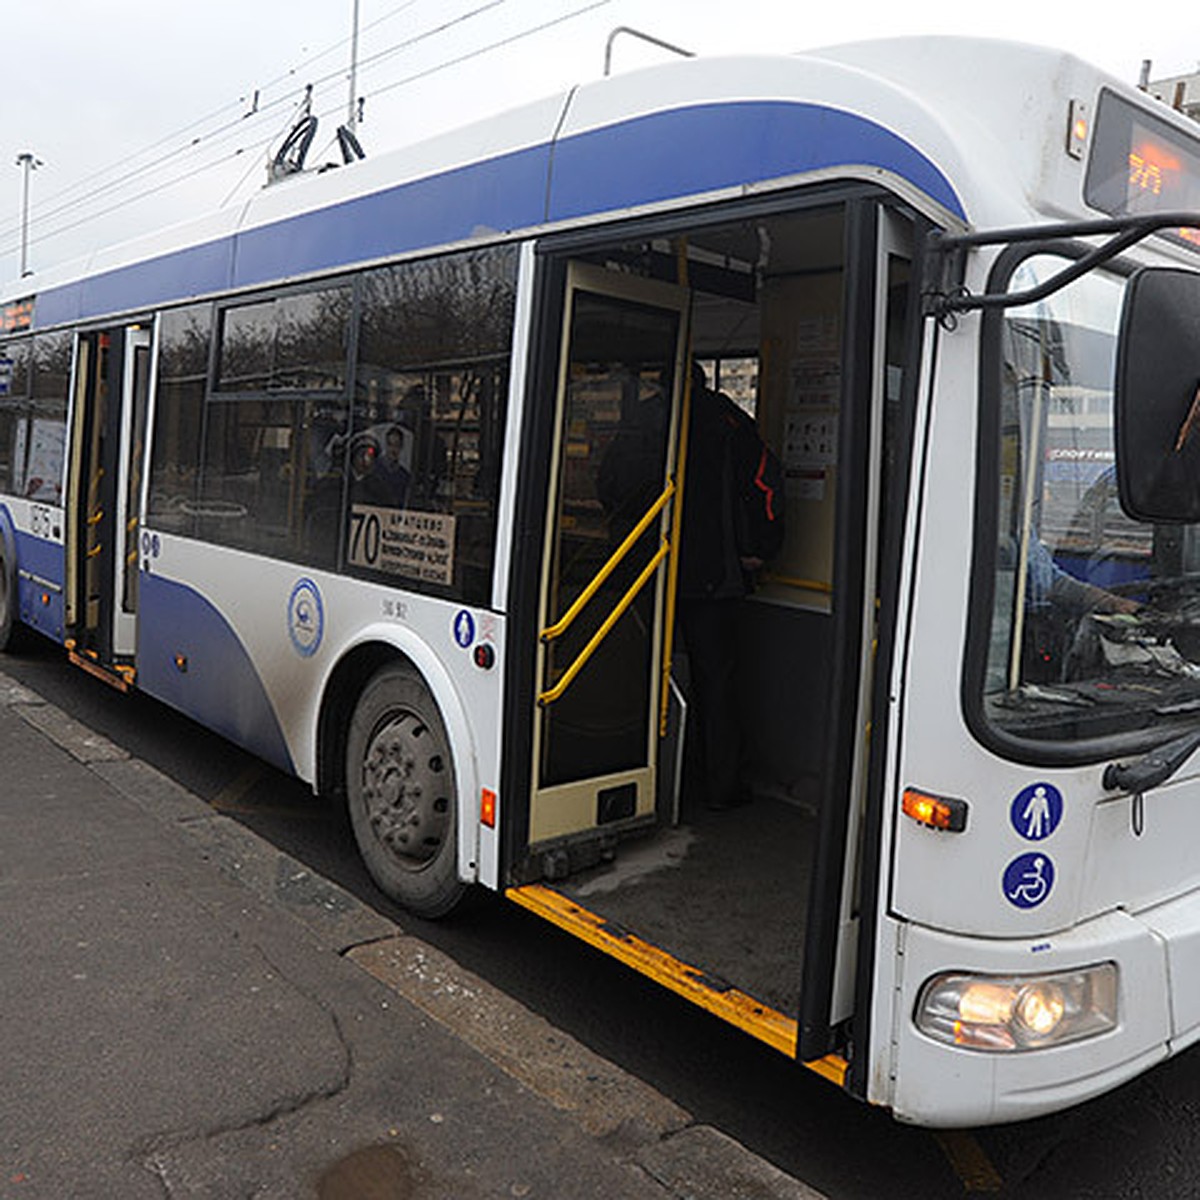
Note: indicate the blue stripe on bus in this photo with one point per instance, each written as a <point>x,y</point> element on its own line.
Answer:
<point>498,195</point>
<point>197,270</point>
<point>218,686</point>
<point>661,156</point>
<point>680,152</point>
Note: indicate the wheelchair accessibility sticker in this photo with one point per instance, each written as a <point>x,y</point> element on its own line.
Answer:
<point>1036,811</point>
<point>1028,880</point>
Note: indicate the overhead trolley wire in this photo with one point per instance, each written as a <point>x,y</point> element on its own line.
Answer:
<point>238,104</point>
<point>259,112</point>
<point>244,122</point>
<point>508,41</point>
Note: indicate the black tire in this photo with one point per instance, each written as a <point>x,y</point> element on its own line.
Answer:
<point>401,793</point>
<point>9,625</point>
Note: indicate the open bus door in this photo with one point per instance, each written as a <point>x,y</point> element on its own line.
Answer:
<point>108,420</point>
<point>752,913</point>
<point>608,562</point>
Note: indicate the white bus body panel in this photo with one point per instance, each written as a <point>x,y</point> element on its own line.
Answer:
<point>218,639</point>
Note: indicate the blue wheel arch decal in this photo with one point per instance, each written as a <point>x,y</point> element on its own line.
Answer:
<point>190,657</point>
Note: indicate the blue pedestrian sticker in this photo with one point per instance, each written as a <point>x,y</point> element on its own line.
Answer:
<point>1028,880</point>
<point>464,629</point>
<point>306,618</point>
<point>1036,811</point>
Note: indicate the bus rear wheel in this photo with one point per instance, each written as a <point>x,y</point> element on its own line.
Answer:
<point>401,793</point>
<point>8,599</point>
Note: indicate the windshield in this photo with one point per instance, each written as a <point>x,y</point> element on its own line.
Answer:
<point>1095,619</point>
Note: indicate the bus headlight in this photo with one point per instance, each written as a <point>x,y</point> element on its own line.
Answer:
<point>1019,1012</point>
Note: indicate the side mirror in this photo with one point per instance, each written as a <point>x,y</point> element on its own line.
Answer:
<point>1157,397</point>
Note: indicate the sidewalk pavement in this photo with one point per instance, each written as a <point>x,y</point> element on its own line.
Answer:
<point>187,1012</point>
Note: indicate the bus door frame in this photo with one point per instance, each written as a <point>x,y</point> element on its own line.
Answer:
<point>841,886</point>
<point>135,399</point>
<point>99,472</point>
<point>871,1024</point>
<point>582,278</point>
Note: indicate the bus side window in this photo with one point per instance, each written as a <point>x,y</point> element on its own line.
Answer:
<point>184,335</point>
<point>51,384</point>
<point>274,423</point>
<point>429,400</point>
<point>14,413</point>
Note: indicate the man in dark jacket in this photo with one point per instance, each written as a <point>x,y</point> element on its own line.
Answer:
<point>715,574</point>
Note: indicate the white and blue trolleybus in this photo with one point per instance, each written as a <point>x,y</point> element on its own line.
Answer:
<point>380,474</point>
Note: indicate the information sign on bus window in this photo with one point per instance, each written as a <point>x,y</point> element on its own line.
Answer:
<point>1142,164</point>
<point>419,545</point>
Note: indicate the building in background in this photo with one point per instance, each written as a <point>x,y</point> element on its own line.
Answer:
<point>1181,92</point>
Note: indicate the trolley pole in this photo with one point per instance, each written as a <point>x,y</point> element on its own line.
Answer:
<point>28,164</point>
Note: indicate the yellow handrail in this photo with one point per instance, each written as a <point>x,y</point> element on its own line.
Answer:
<point>549,697</point>
<point>564,622</point>
<point>807,585</point>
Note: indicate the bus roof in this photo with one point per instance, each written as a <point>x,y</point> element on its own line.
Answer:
<point>958,127</point>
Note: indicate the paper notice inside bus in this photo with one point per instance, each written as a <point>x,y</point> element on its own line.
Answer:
<point>417,545</point>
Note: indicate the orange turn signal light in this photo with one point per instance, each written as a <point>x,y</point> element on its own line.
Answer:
<point>937,812</point>
<point>487,808</point>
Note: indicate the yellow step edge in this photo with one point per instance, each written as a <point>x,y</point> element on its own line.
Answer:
<point>736,1007</point>
<point>120,677</point>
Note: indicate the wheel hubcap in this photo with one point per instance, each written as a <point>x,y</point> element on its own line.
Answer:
<point>404,789</point>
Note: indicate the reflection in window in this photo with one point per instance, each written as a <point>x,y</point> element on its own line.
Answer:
<point>51,381</point>
<point>14,413</point>
<point>268,460</point>
<point>424,453</point>
<point>1095,627</point>
<point>178,418</point>
<point>289,343</point>
<point>35,377</point>
<point>272,478</point>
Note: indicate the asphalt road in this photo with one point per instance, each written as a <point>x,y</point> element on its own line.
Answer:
<point>1142,1141</point>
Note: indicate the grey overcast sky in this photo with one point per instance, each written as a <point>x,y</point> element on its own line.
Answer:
<point>142,114</point>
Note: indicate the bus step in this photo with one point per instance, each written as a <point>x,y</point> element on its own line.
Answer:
<point>716,996</point>
<point>119,675</point>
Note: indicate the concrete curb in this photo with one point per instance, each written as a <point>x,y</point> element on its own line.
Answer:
<point>632,1119</point>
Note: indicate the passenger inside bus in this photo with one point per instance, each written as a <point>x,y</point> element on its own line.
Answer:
<point>719,552</point>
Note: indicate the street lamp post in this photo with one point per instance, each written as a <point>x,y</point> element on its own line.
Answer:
<point>352,107</point>
<point>28,164</point>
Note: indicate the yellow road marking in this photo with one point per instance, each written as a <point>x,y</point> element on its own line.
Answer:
<point>970,1161</point>
<point>230,799</point>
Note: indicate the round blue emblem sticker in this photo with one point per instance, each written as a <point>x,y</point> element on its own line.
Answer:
<point>1036,811</point>
<point>306,618</point>
<point>464,629</point>
<point>1028,880</point>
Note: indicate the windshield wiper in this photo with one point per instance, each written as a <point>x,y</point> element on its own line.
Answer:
<point>1050,695</point>
<point>1152,769</point>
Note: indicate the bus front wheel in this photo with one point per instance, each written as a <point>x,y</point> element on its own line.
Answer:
<point>401,793</point>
